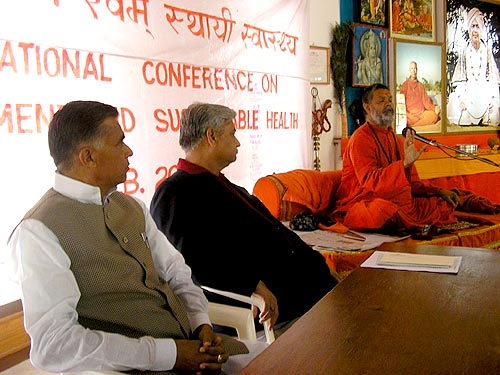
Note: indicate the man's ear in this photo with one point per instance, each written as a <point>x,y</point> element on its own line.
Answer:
<point>211,136</point>
<point>366,106</point>
<point>86,156</point>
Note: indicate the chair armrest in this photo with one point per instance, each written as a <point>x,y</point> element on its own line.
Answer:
<point>239,318</point>
<point>254,299</point>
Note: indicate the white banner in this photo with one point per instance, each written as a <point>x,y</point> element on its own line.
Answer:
<point>151,59</point>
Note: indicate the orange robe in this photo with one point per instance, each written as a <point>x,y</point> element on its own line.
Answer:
<point>420,110</point>
<point>377,190</point>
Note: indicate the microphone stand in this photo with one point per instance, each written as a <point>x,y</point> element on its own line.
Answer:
<point>484,160</point>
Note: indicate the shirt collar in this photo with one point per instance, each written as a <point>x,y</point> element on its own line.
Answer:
<point>189,167</point>
<point>192,168</point>
<point>78,190</point>
<point>388,129</point>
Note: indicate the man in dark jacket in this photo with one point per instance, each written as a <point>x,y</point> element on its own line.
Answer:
<point>227,236</point>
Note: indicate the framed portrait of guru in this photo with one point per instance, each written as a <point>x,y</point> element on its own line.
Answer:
<point>419,86</point>
<point>472,63</point>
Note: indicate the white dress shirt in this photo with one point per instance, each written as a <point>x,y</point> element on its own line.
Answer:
<point>50,295</point>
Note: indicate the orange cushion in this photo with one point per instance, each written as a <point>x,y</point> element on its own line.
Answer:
<point>289,193</point>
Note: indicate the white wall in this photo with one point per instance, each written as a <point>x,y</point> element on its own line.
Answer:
<point>324,15</point>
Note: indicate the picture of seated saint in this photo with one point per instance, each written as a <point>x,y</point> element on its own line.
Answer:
<point>420,109</point>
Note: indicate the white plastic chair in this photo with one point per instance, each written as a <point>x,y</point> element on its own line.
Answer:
<point>239,318</point>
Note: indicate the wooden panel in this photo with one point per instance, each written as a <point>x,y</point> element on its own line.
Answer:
<point>14,342</point>
<point>13,338</point>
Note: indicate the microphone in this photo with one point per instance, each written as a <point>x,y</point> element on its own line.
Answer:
<point>440,145</point>
<point>419,137</point>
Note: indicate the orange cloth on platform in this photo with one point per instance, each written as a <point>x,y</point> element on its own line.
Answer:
<point>377,189</point>
<point>470,202</point>
<point>481,184</point>
<point>308,189</point>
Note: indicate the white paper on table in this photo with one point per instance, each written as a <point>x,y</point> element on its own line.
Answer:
<point>413,262</point>
<point>324,240</point>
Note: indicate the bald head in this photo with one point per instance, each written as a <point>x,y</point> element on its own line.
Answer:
<point>413,69</point>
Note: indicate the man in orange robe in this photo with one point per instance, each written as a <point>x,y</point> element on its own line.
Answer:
<point>420,109</point>
<point>380,186</point>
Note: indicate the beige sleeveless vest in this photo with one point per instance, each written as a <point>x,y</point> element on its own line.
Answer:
<point>113,267</point>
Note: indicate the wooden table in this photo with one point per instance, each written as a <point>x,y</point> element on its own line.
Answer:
<point>381,321</point>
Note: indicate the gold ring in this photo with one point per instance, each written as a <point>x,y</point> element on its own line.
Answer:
<point>220,358</point>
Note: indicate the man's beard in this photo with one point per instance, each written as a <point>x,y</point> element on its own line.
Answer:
<point>385,118</point>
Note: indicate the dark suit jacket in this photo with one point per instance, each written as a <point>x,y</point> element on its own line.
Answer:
<point>231,241</point>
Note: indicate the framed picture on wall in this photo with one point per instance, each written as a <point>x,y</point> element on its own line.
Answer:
<point>373,12</point>
<point>319,64</point>
<point>419,86</point>
<point>413,19</point>
<point>472,51</point>
<point>369,55</point>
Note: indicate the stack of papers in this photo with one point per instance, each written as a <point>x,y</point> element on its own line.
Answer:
<point>413,262</point>
<point>323,240</point>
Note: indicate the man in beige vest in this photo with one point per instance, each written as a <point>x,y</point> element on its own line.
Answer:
<point>102,288</point>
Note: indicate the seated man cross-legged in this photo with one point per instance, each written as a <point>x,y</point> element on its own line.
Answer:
<point>227,236</point>
<point>420,109</point>
<point>381,190</point>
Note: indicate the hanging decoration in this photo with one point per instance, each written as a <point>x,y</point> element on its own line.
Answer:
<point>319,117</point>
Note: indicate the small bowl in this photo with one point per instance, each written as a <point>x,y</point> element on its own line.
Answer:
<point>466,147</point>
